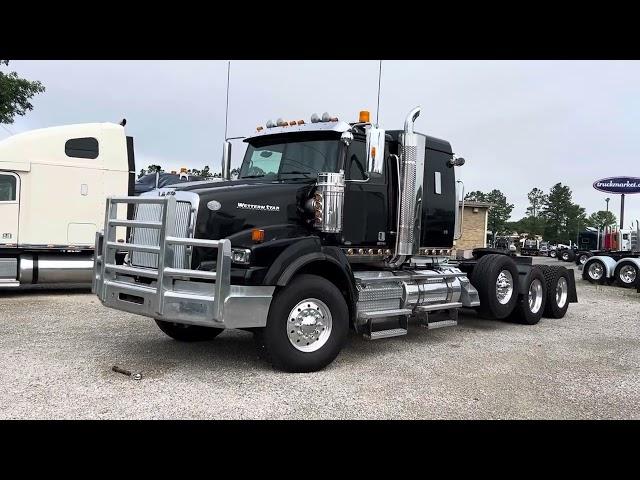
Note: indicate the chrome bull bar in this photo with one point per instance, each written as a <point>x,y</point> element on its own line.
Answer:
<point>169,294</point>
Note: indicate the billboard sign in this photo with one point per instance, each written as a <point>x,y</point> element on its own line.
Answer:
<point>618,185</point>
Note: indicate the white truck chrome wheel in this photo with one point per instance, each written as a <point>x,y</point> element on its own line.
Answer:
<point>309,325</point>
<point>535,296</point>
<point>596,271</point>
<point>628,274</point>
<point>504,287</point>
<point>583,259</point>
<point>562,292</point>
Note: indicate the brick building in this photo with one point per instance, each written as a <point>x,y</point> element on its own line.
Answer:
<point>474,227</point>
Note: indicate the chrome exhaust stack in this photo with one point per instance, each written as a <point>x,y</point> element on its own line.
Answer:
<point>411,179</point>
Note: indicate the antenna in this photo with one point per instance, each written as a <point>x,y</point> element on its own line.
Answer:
<point>226,113</point>
<point>378,108</point>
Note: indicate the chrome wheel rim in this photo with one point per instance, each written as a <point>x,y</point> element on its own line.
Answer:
<point>596,271</point>
<point>565,256</point>
<point>628,274</point>
<point>583,259</point>
<point>562,291</point>
<point>504,287</point>
<point>535,296</point>
<point>309,325</point>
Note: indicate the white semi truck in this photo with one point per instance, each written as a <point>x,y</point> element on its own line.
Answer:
<point>53,186</point>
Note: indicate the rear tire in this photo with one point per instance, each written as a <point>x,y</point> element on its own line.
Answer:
<point>557,282</point>
<point>553,253</point>
<point>532,301</point>
<point>626,274</point>
<point>495,277</point>
<point>594,272</point>
<point>188,333</point>
<point>300,313</point>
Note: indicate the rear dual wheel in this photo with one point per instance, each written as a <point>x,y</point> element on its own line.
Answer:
<point>557,296</point>
<point>495,277</point>
<point>626,274</point>
<point>532,302</point>
<point>594,272</point>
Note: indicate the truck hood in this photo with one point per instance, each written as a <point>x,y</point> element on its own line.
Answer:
<point>232,209</point>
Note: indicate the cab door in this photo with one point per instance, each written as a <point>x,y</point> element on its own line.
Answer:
<point>366,205</point>
<point>9,207</point>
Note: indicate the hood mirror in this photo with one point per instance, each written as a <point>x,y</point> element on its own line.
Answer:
<point>347,138</point>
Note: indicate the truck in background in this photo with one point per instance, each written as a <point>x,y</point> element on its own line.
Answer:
<point>53,186</point>
<point>618,262</point>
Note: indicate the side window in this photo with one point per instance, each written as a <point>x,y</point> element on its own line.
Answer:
<point>82,148</point>
<point>8,188</point>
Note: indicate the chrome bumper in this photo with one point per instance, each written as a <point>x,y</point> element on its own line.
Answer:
<point>169,294</point>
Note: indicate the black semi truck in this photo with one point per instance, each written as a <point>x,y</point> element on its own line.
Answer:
<point>330,226</point>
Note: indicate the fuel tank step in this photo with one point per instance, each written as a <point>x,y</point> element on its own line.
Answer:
<point>396,312</point>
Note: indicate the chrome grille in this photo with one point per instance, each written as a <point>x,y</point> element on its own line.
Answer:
<point>150,236</point>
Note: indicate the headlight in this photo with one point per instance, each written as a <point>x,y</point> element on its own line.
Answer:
<point>241,255</point>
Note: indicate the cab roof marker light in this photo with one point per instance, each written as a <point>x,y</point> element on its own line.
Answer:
<point>315,118</point>
<point>326,117</point>
<point>270,123</point>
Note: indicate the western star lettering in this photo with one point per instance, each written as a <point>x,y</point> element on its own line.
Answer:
<point>265,208</point>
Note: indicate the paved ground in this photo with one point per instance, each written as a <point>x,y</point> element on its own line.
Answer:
<point>57,349</point>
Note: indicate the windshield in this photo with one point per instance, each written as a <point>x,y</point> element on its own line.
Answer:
<point>303,159</point>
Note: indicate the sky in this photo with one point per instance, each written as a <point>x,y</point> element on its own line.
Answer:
<point>518,124</point>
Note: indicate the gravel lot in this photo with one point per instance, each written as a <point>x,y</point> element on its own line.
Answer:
<point>57,349</point>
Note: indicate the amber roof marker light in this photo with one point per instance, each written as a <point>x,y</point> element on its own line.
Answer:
<point>364,116</point>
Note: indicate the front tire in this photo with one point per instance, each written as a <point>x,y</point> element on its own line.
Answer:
<point>582,258</point>
<point>553,254</point>
<point>495,277</point>
<point>307,326</point>
<point>532,301</point>
<point>188,333</point>
<point>626,274</point>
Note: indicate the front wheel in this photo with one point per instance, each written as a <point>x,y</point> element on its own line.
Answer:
<point>188,333</point>
<point>553,253</point>
<point>307,326</point>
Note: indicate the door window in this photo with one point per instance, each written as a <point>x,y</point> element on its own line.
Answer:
<point>356,163</point>
<point>8,188</point>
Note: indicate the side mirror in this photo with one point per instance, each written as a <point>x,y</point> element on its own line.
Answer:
<point>375,150</point>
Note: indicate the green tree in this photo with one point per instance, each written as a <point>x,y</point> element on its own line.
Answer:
<point>15,93</point>
<point>142,173</point>
<point>499,213</point>
<point>154,169</point>
<point>564,219</point>
<point>601,219</point>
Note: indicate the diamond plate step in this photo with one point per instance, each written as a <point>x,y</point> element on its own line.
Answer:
<point>393,332</point>
<point>386,313</point>
<point>442,323</point>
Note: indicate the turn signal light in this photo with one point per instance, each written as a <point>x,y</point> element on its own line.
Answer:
<point>257,235</point>
<point>364,116</point>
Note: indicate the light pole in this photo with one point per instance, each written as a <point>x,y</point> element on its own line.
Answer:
<point>607,200</point>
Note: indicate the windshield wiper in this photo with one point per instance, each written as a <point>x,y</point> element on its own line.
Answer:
<point>251,176</point>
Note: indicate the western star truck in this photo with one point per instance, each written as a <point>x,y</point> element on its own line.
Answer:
<point>329,226</point>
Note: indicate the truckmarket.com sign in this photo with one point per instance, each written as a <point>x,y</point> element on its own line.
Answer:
<point>618,185</point>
